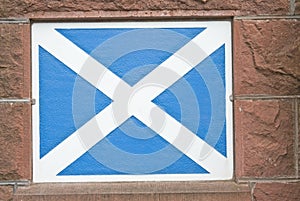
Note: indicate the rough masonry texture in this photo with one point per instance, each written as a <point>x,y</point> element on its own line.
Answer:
<point>146,191</point>
<point>297,7</point>
<point>264,149</point>
<point>277,191</point>
<point>298,116</point>
<point>244,7</point>
<point>266,93</point>
<point>6,193</point>
<point>14,72</point>
<point>267,57</point>
<point>15,153</point>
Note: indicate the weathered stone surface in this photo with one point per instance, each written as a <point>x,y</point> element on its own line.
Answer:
<point>297,7</point>
<point>154,191</point>
<point>264,141</point>
<point>140,197</point>
<point>14,60</point>
<point>6,193</point>
<point>32,7</point>
<point>267,57</point>
<point>277,191</point>
<point>15,145</point>
<point>87,196</point>
<point>298,137</point>
<point>134,188</point>
<point>207,197</point>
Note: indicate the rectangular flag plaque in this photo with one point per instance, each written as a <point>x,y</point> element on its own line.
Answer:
<point>132,101</point>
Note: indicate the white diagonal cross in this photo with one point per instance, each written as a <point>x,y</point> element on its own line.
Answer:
<point>136,100</point>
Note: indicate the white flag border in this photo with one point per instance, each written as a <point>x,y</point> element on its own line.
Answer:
<point>222,175</point>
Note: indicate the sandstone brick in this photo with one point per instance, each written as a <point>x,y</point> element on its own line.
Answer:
<point>133,191</point>
<point>298,137</point>
<point>15,145</point>
<point>264,132</point>
<point>21,8</point>
<point>87,197</point>
<point>267,57</point>
<point>14,61</point>
<point>140,197</point>
<point>297,7</point>
<point>277,191</point>
<point>6,193</point>
<point>207,197</point>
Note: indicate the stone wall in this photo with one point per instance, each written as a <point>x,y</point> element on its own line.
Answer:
<point>266,96</point>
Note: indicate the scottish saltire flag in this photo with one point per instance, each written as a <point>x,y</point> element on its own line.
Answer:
<point>132,101</point>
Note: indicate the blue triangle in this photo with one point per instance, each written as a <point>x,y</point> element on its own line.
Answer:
<point>135,137</point>
<point>169,103</point>
<point>89,39</point>
<point>132,147</point>
<point>87,165</point>
<point>221,144</point>
<point>187,32</point>
<point>177,98</point>
<point>153,47</point>
<point>56,84</point>
<point>184,165</point>
<point>135,65</point>
<point>219,60</point>
<point>198,85</point>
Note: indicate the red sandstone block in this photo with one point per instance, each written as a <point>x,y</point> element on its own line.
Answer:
<point>87,197</point>
<point>217,196</point>
<point>136,191</point>
<point>14,60</point>
<point>277,191</point>
<point>38,8</point>
<point>297,7</point>
<point>15,142</point>
<point>6,193</point>
<point>141,197</point>
<point>267,57</point>
<point>298,137</point>
<point>264,138</point>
